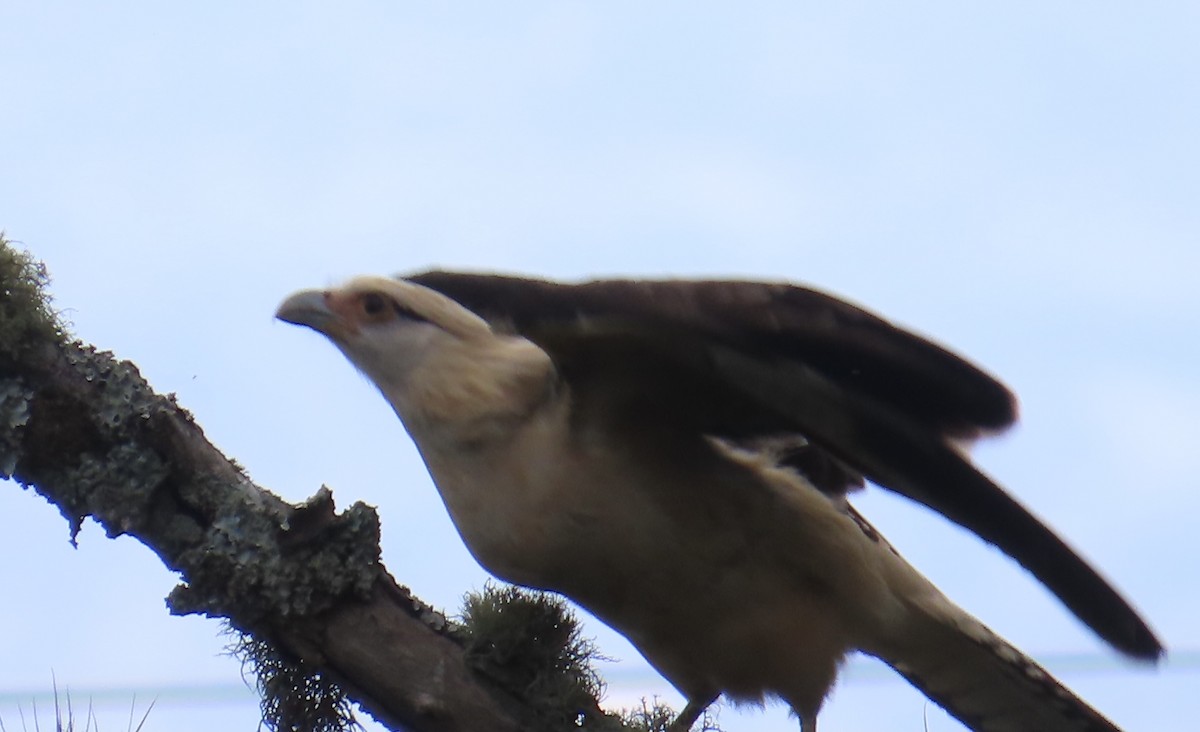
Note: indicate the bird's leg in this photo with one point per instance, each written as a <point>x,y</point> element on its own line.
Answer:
<point>808,723</point>
<point>690,713</point>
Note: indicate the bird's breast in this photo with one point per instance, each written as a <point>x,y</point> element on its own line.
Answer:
<point>689,558</point>
<point>542,512</point>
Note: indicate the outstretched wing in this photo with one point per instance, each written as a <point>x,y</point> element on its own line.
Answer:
<point>743,360</point>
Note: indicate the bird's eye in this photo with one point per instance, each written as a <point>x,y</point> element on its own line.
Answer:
<point>373,303</point>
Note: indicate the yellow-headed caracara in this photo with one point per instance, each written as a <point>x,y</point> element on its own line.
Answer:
<point>675,457</point>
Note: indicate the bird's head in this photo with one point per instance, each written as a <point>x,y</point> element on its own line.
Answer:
<point>441,366</point>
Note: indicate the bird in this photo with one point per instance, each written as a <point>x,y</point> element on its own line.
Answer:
<point>676,456</point>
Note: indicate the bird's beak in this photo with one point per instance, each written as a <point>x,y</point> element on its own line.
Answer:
<point>309,308</point>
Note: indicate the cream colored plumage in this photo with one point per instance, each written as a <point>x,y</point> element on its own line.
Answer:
<point>611,449</point>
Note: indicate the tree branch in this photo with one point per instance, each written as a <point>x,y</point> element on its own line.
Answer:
<point>85,430</point>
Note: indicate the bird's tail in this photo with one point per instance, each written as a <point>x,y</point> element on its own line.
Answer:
<point>979,678</point>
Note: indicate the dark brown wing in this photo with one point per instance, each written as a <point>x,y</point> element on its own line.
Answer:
<point>743,359</point>
<point>846,344</point>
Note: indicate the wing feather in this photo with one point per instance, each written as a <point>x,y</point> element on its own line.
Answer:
<point>924,468</point>
<point>847,344</point>
<point>770,359</point>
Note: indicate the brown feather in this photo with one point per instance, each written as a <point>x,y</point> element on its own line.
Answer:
<point>742,360</point>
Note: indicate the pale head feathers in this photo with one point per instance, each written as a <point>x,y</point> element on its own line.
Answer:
<point>429,304</point>
<point>446,373</point>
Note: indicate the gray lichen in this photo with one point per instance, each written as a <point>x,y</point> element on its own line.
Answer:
<point>14,414</point>
<point>86,431</point>
<point>112,487</point>
<point>239,569</point>
<point>124,399</point>
<point>89,415</point>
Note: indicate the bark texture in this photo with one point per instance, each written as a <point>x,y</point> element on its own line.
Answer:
<point>83,429</point>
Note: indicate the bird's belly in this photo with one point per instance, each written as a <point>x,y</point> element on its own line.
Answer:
<point>725,582</point>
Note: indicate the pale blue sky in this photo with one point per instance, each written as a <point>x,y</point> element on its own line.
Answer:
<point>1018,180</point>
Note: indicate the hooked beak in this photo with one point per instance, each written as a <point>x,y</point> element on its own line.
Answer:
<point>309,308</point>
